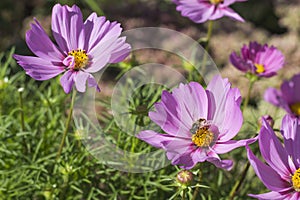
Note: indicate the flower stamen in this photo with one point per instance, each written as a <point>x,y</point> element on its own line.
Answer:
<point>216,1</point>
<point>259,68</point>
<point>202,136</point>
<point>295,108</point>
<point>296,180</point>
<point>81,58</point>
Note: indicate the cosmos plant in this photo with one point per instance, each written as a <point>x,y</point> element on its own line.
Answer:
<point>81,48</point>
<point>281,173</point>
<point>259,60</point>
<point>287,97</point>
<point>198,124</point>
<point>200,11</point>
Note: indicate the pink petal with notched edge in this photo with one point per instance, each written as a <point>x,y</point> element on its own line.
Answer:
<point>39,68</point>
<point>270,195</point>
<point>266,174</point>
<point>273,152</point>
<point>233,118</point>
<point>153,138</point>
<point>232,14</point>
<point>168,116</point>
<point>41,45</point>
<point>67,25</point>
<point>67,81</point>
<point>291,133</point>
<point>120,51</point>
<point>225,147</point>
<point>215,159</point>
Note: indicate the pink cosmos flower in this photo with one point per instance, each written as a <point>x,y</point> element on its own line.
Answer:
<point>288,97</point>
<point>199,124</point>
<point>81,48</point>
<point>257,59</point>
<point>201,11</point>
<point>281,173</point>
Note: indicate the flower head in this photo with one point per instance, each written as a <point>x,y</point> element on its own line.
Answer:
<point>201,11</point>
<point>81,48</point>
<point>281,173</point>
<point>199,124</point>
<point>257,59</point>
<point>288,97</point>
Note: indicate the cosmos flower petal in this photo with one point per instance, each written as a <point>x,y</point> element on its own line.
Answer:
<point>154,139</point>
<point>238,62</point>
<point>120,51</point>
<point>273,96</point>
<point>232,14</point>
<point>185,161</point>
<point>266,174</point>
<point>38,68</point>
<point>273,152</point>
<point>80,79</point>
<point>215,159</point>
<point>41,45</point>
<point>67,81</point>
<point>291,133</point>
<point>202,11</point>
<point>270,195</point>
<point>217,91</point>
<point>225,147</point>
<point>168,116</point>
<point>233,119</point>
<point>67,25</point>
<point>289,89</point>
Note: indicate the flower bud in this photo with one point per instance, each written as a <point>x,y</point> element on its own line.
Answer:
<point>184,177</point>
<point>268,119</point>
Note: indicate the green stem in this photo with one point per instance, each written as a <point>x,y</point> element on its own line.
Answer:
<point>183,194</point>
<point>208,37</point>
<point>239,182</point>
<point>246,102</point>
<point>22,110</point>
<point>197,188</point>
<point>67,125</point>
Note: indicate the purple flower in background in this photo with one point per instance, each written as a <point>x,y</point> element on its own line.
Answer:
<point>261,60</point>
<point>288,97</point>
<point>82,48</point>
<point>199,123</point>
<point>281,174</point>
<point>201,11</point>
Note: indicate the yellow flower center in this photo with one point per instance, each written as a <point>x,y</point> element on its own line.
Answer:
<point>259,68</point>
<point>81,58</point>
<point>296,180</point>
<point>216,1</point>
<point>295,107</point>
<point>203,137</point>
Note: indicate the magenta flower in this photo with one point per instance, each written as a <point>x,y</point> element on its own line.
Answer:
<point>82,48</point>
<point>288,97</point>
<point>199,124</point>
<point>201,11</point>
<point>281,174</point>
<point>257,59</point>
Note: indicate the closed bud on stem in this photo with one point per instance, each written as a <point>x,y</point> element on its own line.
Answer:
<point>184,177</point>
<point>268,119</point>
